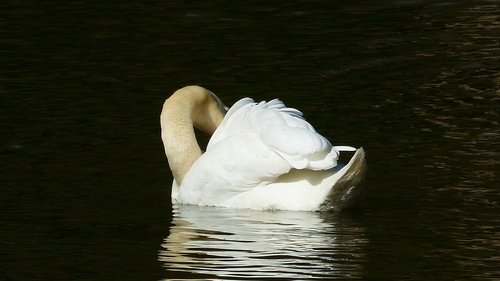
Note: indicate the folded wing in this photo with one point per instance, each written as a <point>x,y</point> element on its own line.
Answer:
<point>281,129</point>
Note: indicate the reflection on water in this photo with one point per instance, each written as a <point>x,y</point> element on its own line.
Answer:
<point>244,243</point>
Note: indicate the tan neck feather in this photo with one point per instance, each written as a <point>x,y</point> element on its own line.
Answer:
<point>187,107</point>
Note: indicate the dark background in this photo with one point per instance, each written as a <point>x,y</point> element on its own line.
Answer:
<point>85,186</point>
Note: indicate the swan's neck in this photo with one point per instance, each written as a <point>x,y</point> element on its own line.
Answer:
<point>188,107</point>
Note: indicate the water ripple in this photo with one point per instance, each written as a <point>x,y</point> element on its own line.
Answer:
<point>249,244</point>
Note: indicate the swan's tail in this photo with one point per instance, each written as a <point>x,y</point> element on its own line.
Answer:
<point>347,190</point>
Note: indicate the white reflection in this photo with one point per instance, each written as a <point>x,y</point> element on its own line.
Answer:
<point>245,243</point>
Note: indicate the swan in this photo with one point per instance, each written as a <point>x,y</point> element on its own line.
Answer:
<point>262,156</point>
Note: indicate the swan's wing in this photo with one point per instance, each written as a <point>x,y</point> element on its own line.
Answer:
<point>255,145</point>
<point>234,165</point>
<point>295,139</point>
<point>281,129</point>
<point>233,122</point>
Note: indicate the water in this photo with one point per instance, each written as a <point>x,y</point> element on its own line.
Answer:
<point>238,244</point>
<point>85,185</point>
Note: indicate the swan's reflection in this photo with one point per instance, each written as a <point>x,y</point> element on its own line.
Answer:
<point>245,243</point>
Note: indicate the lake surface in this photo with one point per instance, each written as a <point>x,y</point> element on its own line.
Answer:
<point>85,186</point>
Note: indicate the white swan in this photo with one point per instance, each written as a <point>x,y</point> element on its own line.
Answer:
<point>261,156</point>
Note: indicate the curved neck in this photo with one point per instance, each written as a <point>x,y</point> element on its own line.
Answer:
<point>188,107</point>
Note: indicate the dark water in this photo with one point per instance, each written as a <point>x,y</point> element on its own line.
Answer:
<point>85,185</point>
